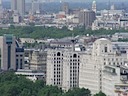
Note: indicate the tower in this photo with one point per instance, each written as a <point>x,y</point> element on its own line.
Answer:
<point>35,6</point>
<point>94,6</point>
<point>19,6</point>
<point>13,5</point>
<point>1,9</point>
<point>86,18</point>
<point>65,7</point>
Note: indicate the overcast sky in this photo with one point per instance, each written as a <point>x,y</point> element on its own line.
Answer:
<point>82,0</point>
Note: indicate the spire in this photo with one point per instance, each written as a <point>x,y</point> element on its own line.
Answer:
<point>0,2</point>
<point>94,6</point>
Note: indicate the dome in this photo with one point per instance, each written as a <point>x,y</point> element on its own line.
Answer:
<point>94,1</point>
<point>103,40</point>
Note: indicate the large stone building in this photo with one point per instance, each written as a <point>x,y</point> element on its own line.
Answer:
<point>65,7</point>
<point>18,6</point>
<point>38,60</point>
<point>86,18</point>
<point>11,54</point>
<point>63,68</point>
<point>94,61</point>
<point>35,7</point>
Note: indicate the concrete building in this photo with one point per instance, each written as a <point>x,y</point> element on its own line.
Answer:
<point>19,6</point>
<point>1,9</point>
<point>65,7</point>
<point>63,68</point>
<point>27,40</point>
<point>30,74</point>
<point>111,19</point>
<point>12,55</point>
<point>93,62</point>
<point>120,36</point>
<point>111,77</point>
<point>115,80</point>
<point>16,18</point>
<point>35,7</point>
<point>13,5</point>
<point>38,61</point>
<point>86,18</point>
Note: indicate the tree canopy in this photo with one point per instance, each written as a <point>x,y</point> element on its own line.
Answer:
<point>13,85</point>
<point>52,32</point>
<point>100,94</point>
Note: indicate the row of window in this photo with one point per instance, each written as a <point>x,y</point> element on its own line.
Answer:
<point>113,59</point>
<point>113,63</point>
<point>19,55</point>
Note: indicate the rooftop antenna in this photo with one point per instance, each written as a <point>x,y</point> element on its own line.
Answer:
<point>73,42</point>
<point>108,8</point>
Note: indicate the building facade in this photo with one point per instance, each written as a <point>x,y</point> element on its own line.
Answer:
<point>86,18</point>
<point>13,5</point>
<point>93,63</point>
<point>18,6</point>
<point>65,7</point>
<point>35,7</point>
<point>38,61</point>
<point>63,68</point>
<point>12,55</point>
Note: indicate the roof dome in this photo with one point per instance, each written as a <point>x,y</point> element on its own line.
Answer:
<point>94,1</point>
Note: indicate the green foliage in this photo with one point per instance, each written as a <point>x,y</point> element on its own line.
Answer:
<point>52,32</point>
<point>78,92</point>
<point>100,94</point>
<point>123,40</point>
<point>13,85</point>
<point>50,91</point>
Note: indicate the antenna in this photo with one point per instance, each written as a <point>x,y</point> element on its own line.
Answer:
<point>108,8</point>
<point>73,42</point>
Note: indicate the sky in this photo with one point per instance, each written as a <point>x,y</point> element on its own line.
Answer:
<point>81,0</point>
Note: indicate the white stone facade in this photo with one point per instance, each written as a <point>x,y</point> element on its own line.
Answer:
<point>63,68</point>
<point>92,64</point>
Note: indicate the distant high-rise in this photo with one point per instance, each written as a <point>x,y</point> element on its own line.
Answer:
<point>1,9</point>
<point>65,7</point>
<point>35,6</point>
<point>86,18</point>
<point>19,6</point>
<point>13,5</point>
<point>94,6</point>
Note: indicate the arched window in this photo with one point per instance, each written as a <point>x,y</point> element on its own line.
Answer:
<point>58,54</point>
<point>74,56</point>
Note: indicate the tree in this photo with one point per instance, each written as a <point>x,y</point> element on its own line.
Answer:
<point>50,91</point>
<point>78,92</point>
<point>13,85</point>
<point>100,94</point>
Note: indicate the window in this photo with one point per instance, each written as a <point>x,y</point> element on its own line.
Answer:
<point>74,56</point>
<point>21,64</point>
<point>58,54</point>
<point>106,50</point>
<point>21,55</point>
<point>16,63</point>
